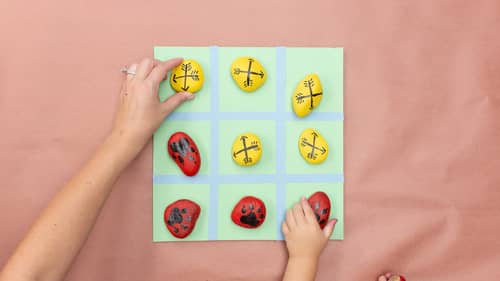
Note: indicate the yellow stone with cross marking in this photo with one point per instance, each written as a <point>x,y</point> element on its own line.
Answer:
<point>307,96</point>
<point>247,149</point>
<point>248,73</point>
<point>312,146</point>
<point>187,77</point>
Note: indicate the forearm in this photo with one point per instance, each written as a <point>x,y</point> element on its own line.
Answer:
<point>55,239</point>
<point>300,269</point>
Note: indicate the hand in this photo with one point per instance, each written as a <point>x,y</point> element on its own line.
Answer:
<point>140,111</point>
<point>304,238</point>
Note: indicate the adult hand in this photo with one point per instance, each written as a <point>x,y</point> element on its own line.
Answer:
<point>140,111</point>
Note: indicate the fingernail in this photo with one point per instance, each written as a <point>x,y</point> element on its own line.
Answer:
<point>188,95</point>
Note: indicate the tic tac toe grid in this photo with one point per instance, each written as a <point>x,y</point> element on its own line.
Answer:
<point>221,111</point>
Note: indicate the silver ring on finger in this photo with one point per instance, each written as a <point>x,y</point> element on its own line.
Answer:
<point>128,71</point>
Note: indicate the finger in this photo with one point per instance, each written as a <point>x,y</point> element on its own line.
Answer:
<point>285,229</point>
<point>159,73</point>
<point>308,211</point>
<point>328,230</point>
<point>290,219</point>
<point>169,105</point>
<point>123,91</point>
<point>144,68</point>
<point>298,213</point>
<point>131,70</point>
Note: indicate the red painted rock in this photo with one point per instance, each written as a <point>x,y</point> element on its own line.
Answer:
<point>180,217</point>
<point>320,203</point>
<point>397,278</point>
<point>185,153</point>
<point>249,212</point>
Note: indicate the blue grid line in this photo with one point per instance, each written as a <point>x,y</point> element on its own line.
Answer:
<point>281,116</point>
<point>280,140</point>
<point>250,178</point>
<point>214,145</point>
<point>289,116</point>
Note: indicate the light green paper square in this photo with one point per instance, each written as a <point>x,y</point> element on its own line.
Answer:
<point>231,97</point>
<point>199,131</point>
<point>229,131</point>
<point>202,55</point>
<point>335,191</point>
<point>229,195</point>
<point>165,194</point>
<point>332,131</point>
<point>328,64</point>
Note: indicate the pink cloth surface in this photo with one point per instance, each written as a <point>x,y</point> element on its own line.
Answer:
<point>422,130</point>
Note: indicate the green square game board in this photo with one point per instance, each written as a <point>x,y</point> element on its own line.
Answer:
<point>221,111</point>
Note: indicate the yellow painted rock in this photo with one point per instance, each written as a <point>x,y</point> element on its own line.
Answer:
<point>187,77</point>
<point>307,96</point>
<point>312,146</point>
<point>247,149</point>
<point>248,73</point>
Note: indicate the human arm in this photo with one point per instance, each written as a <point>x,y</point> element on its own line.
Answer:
<point>305,241</point>
<point>48,250</point>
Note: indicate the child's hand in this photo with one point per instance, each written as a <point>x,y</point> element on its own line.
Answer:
<point>140,111</point>
<point>304,238</point>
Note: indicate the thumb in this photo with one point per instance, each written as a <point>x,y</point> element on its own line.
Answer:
<point>328,230</point>
<point>174,101</point>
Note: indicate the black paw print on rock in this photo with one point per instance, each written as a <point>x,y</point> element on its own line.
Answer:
<point>182,147</point>
<point>318,213</point>
<point>253,217</point>
<point>176,217</point>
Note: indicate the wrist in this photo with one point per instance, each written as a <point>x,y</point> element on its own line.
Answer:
<point>301,268</point>
<point>121,147</point>
<point>304,261</point>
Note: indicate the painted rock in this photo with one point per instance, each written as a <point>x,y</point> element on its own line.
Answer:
<point>397,278</point>
<point>247,149</point>
<point>185,153</point>
<point>320,203</point>
<point>180,217</point>
<point>187,77</point>
<point>248,73</point>
<point>312,146</point>
<point>307,96</point>
<point>249,212</point>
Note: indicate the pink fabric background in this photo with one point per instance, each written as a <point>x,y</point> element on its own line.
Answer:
<point>422,130</point>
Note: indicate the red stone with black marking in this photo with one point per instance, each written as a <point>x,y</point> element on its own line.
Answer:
<point>185,153</point>
<point>320,203</point>
<point>249,212</point>
<point>180,217</point>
